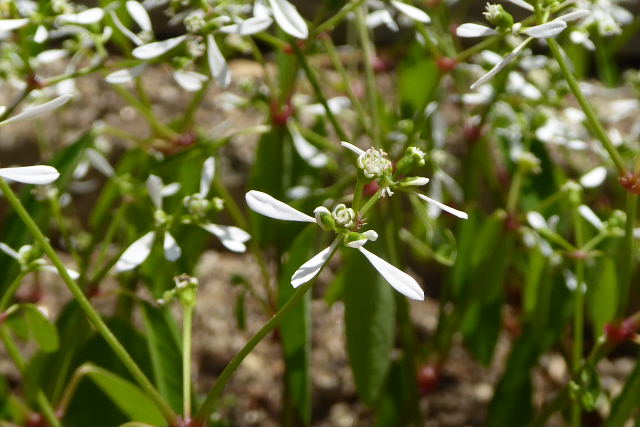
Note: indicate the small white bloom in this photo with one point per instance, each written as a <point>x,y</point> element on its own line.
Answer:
<point>217,64</point>
<point>288,19</point>
<point>594,177</point>
<point>273,208</point>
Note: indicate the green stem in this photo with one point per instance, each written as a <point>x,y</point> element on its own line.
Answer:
<point>159,127</point>
<point>578,318</point>
<point>86,306</point>
<point>628,250</point>
<point>196,101</point>
<point>21,365</point>
<point>208,405</point>
<point>514,191</point>
<point>330,23</point>
<point>592,118</point>
<point>368,50</point>
<point>337,64</point>
<point>317,89</point>
<point>186,360</point>
<point>372,201</point>
<point>11,290</point>
<point>357,194</point>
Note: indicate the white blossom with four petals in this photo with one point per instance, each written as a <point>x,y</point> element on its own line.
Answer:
<point>266,205</point>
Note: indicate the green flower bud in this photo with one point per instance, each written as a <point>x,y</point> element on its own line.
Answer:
<point>499,17</point>
<point>413,158</point>
<point>343,216</point>
<point>324,218</point>
<point>529,163</point>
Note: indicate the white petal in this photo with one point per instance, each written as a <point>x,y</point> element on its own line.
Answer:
<point>352,147</point>
<point>72,273</point>
<point>170,189</point>
<point>575,15</point>
<point>266,205</point>
<point>381,17</point>
<point>9,251</point>
<point>590,216</point>
<point>474,30</point>
<point>594,178</point>
<point>305,149</point>
<point>136,253</point>
<point>523,4</point>
<point>125,76</point>
<point>232,238</point>
<point>357,243</point>
<point>261,10</point>
<point>12,24</point>
<point>288,18</point>
<point>411,11</point>
<point>100,162</point>
<point>51,55</point>
<point>400,280</point>
<point>140,15</point>
<point>171,249</point>
<point>86,17</point>
<point>217,64</point>
<point>154,187</point>
<point>156,49</point>
<point>444,207</point>
<point>498,67</point>
<point>41,34</point>
<point>39,175</point>
<point>39,109</point>
<point>371,235</point>
<point>124,30</point>
<point>189,80</point>
<point>536,220</point>
<point>206,176</point>
<point>248,27</point>
<point>311,268</point>
<point>548,29</point>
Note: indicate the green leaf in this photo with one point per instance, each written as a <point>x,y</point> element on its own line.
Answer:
<point>512,401</point>
<point>370,325</point>
<point>164,351</point>
<point>42,329</point>
<point>415,81</point>
<point>604,296</point>
<point>627,401</point>
<point>128,397</point>
<point>295,330</point>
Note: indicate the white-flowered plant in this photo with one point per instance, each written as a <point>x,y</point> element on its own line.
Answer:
<point>198,206</point>
<point>30,260</point>
<point>502,24</point>
<point>340,221</point>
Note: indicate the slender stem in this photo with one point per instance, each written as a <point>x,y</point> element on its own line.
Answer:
<point>368,50</point>
<point>357,194</point>
<point>186,360</point>
<point>514,190</point>
<point>207,406</point>
<point>628,251</point>
<point>71,388</point>
<point>196,101</point>
<point>317,89</point>
<point>86,306</point>
<point>578,318</point>
<point>21,365</point>
<point>56,211</point>
<point>372,201</point>
<point>159,127</point>
<point>11,290</point>
<point>330,23</point>
<point>10,109</point>
<point>337,64</point>
<point>592,118</point>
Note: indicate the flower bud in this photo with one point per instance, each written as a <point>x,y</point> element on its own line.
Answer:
<point>324,218</point>
<point>413,158</point>
<point>499,17</point>
<point>343,216</point>
<point>529,163</point>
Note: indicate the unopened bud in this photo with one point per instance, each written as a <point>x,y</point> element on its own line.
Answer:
<point>324,218</point>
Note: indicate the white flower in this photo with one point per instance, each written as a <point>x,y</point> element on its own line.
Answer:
<point>264,204</point>
<point>140,250</point>
<point>38,110</point>
<point>288,19</point>
<point>24,257</point>
<point>233,238</point>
